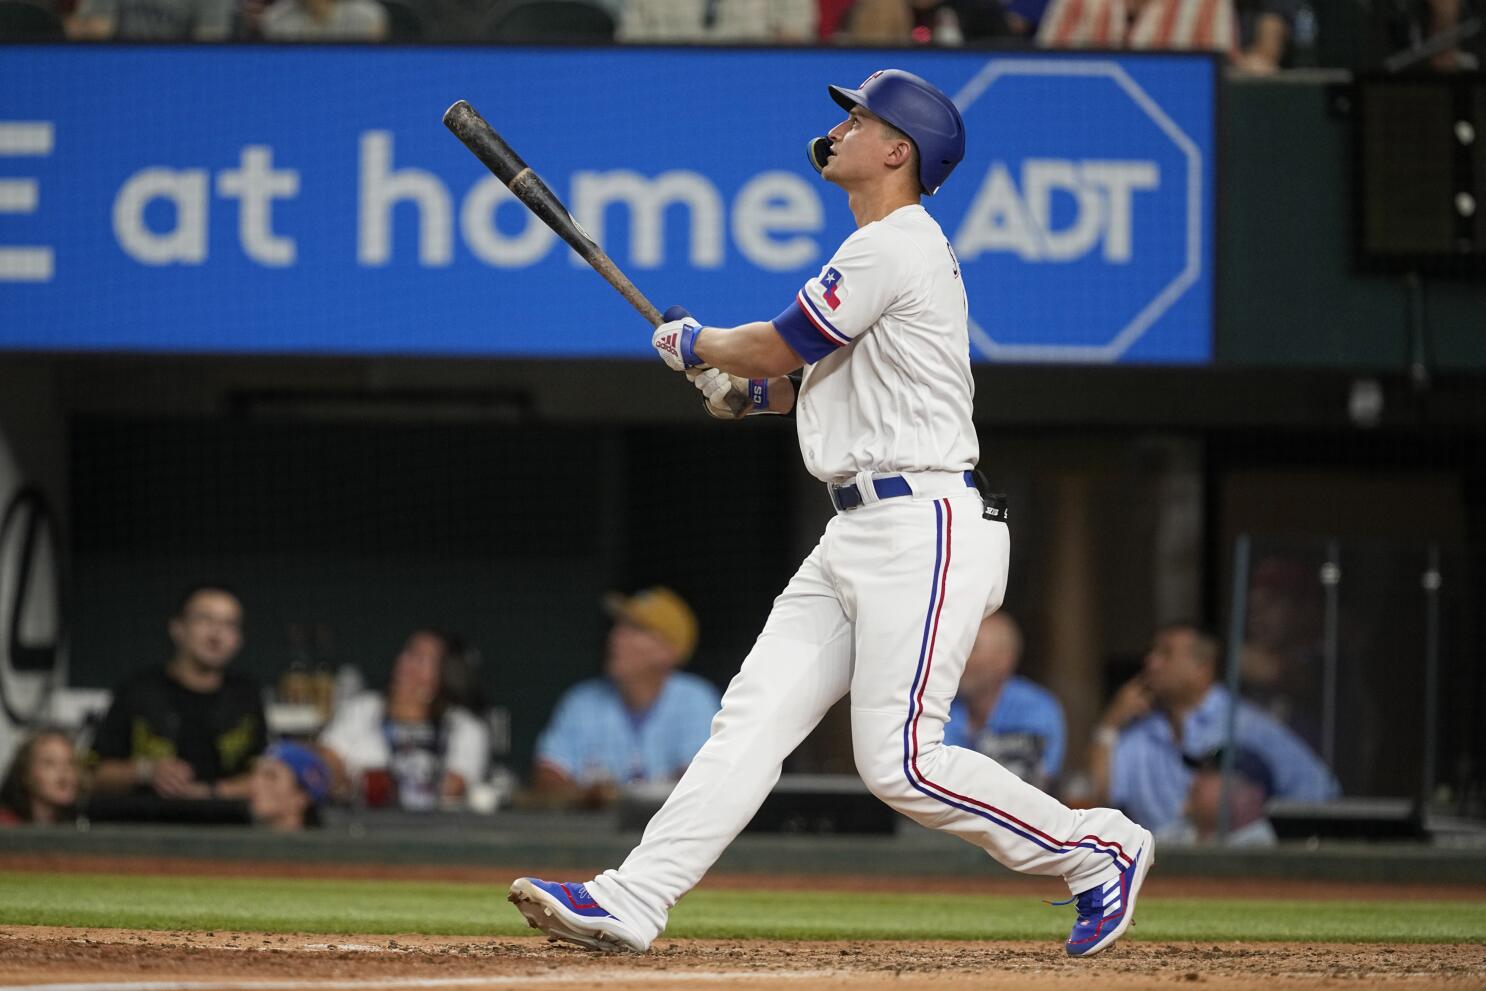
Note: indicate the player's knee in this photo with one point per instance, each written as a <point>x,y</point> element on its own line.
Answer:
<point>879,760</point>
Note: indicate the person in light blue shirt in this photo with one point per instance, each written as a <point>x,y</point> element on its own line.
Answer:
<point>1176,708</point>
<point>643,721</point>
<point>1011,720</point>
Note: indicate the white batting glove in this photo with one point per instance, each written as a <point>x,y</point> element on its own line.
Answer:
<point>716,386</point>
<point>675,342</point>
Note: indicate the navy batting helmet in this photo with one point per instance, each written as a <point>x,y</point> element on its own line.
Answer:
<point>915,107</point>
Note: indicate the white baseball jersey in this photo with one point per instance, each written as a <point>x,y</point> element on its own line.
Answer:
<point>884,328</point>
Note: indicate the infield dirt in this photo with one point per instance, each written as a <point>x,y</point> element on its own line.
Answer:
<point>31,956</point>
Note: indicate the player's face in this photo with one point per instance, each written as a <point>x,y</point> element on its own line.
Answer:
<point>54,772</point>
<point>860,146</point>
<point>210,629</point>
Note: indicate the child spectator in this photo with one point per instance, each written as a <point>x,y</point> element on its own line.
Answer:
<point>288,784</point>
<point>42,784</point>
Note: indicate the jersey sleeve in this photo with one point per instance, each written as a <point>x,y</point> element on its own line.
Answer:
<point>850,294</point>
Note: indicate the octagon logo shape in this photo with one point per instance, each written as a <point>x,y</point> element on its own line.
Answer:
<point>1078,214</point>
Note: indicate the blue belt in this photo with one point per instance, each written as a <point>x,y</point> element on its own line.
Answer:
<point>848,496</point>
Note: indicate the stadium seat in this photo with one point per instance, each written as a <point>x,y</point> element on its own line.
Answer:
<point>24,21</point>
<point>549,20</point>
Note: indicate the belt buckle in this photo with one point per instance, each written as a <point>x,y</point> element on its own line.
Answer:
<point>834,491</point>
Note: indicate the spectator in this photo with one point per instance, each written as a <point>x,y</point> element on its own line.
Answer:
<point>289,783</point>
<point>1250,786</point>
<point>151,20</point>
<point>1011,720</point>
<point>1265,28</point>
<point>324,20</point>
<point>642,721</point>
<point>1175,707</point>
<point>42,783</point>
<point>790,21</point>
<point>411,746</point>
<point>191,728</point>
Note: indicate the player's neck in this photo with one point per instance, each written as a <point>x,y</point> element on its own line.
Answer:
<point>869,205</point>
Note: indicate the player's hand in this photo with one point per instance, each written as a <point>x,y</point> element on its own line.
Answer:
<point>723,393</point>
<point>675,341</point>
<point>1132,701</point>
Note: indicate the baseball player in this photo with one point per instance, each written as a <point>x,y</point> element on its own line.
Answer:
<point>887,605</point>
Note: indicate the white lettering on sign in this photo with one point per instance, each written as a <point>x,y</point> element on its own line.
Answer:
<point>773,215</point>
<point>256,184</point>
<point>646,200</point>
<point>185,242</point>
<point>477,221</point>
<point>30,263</point>
<point>770,205</point>
<point>381,189</point>
<point>1002,219</point>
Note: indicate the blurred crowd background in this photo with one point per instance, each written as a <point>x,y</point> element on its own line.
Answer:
<point>1256,36</point>
<point>295,590</point>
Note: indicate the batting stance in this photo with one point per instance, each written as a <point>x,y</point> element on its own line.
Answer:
<point>887,605</point>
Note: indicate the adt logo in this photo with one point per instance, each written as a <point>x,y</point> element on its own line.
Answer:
<point>1081,229</point>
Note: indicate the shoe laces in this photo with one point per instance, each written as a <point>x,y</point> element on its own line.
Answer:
<point>1090,903</point>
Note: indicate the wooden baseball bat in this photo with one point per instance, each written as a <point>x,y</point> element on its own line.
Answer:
<point>489,147</point>
<point>501,159</point>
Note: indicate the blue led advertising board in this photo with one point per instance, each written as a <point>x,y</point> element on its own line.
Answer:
<point>287,200</point>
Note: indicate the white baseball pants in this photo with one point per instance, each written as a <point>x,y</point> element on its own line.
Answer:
<point>887,607</point>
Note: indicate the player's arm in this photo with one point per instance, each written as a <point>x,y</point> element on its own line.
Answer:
<point>753,351</point>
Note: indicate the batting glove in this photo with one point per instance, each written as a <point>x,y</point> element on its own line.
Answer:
<point>676,341</point>
<point>730,397</point>
<point>716,386</point>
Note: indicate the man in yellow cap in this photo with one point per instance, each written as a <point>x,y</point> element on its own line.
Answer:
<point>642,721</point>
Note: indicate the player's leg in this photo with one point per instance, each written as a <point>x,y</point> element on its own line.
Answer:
<point>918,593</point>
<point>798,668</point>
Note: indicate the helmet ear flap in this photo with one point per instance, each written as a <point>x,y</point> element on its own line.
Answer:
<point>819,152</point>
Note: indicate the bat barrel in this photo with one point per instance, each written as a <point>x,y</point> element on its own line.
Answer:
<point>480,138</point>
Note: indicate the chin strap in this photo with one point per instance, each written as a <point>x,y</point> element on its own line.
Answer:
<point>818,151</point>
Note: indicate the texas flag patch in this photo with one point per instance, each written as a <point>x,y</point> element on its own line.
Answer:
<point>830,283</point>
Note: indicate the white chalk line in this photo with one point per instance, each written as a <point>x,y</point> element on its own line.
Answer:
<point>584,976</point>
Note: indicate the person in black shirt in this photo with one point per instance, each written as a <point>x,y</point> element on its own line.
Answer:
<point>190,729</point>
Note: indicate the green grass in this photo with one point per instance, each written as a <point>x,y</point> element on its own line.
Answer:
<point>326,906</point>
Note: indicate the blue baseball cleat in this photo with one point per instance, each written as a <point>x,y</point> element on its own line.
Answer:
<point>566,911</point>
<point>1105,912</point>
